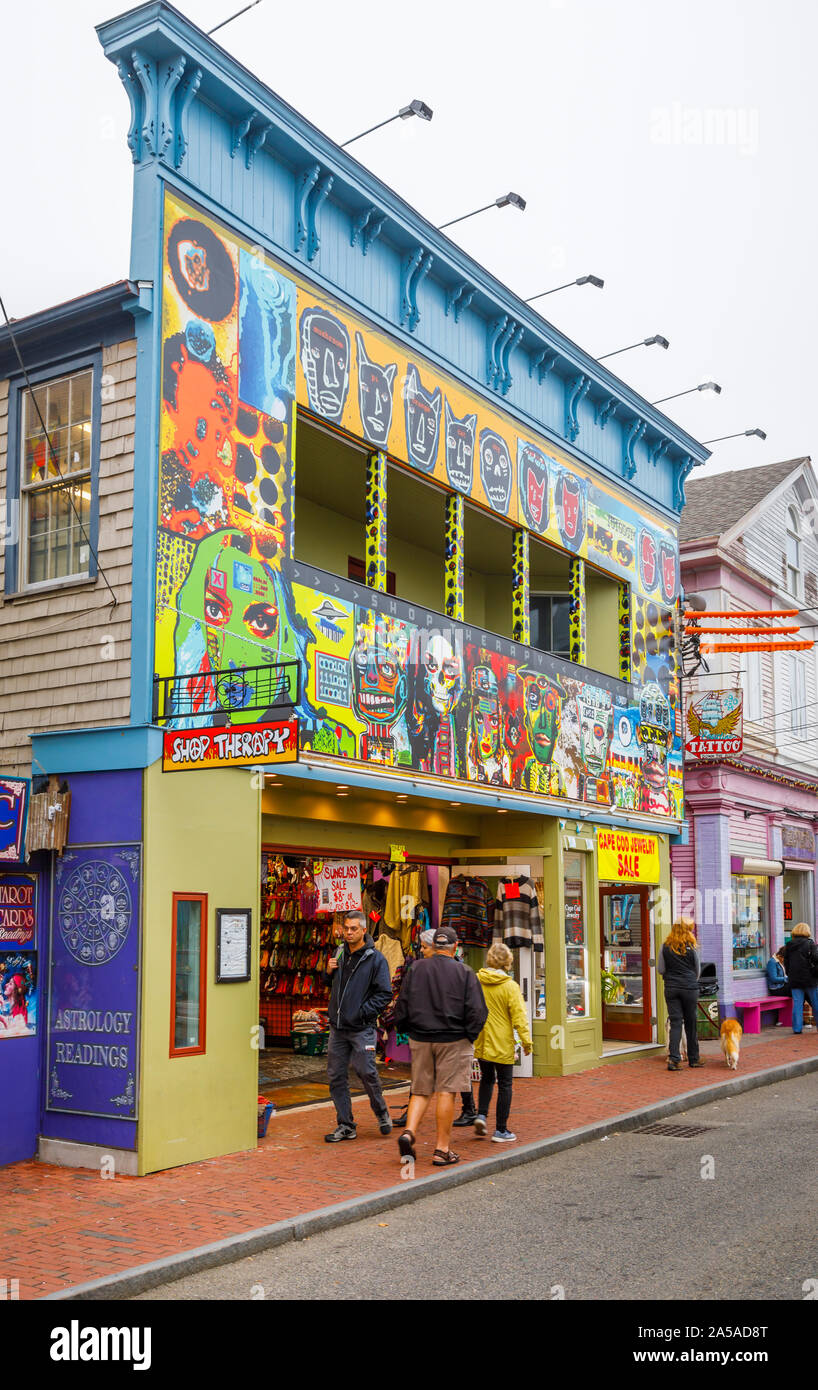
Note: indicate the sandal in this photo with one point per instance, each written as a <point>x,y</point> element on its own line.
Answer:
<point>406,1145</point>
<point>444,1157</point>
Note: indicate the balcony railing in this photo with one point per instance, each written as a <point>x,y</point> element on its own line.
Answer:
<point>216,696</point>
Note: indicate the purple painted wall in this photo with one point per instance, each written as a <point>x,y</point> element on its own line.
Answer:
<point>106,808</point>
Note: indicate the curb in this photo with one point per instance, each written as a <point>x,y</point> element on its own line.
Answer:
<point>172,1267</point>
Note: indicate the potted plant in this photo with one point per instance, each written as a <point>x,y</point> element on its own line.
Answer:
<point>612,987</point>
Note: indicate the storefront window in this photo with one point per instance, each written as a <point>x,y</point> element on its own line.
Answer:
<point>576,944</point>
<point>798,899</point>
<point>189,952</point>
<point>751,947</point>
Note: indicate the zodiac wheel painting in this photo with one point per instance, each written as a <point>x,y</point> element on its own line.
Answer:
<point>95,912</point>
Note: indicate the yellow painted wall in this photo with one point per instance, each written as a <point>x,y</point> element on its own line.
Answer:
<point>201,835</point>
<point>602,600</point>
<point>325,538</point>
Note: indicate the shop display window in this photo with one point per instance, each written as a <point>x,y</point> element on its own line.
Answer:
<point>751,934</point>
<point>188,962</point>
<point>576,943</point>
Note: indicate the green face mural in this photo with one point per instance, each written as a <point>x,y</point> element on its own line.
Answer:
<point>542,707</point>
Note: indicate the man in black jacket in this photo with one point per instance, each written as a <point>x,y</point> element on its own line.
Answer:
<point>441,1007</point>
<point>361,989</point>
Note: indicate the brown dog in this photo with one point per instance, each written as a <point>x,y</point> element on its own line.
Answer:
<point>730,1033</point>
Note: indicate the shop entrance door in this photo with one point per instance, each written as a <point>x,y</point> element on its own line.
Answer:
<point>625,936</point>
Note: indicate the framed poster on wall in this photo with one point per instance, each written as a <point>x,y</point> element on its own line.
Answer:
<point>233,938</point>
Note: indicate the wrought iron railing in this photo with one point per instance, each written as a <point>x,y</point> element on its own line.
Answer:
<point>273,689</point>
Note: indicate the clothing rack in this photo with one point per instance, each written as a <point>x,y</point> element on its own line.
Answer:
<point>492,870</point>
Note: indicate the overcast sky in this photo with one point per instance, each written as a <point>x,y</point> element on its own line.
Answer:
<point>667,147</point>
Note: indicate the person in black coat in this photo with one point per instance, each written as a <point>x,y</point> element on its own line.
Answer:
<point>361,990</point>
<point>801,965</point>
<point>679,965</point>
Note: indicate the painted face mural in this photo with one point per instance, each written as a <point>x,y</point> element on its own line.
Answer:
<point>542,710</point>
<point>444,674</point>
<point>655,736</point>
<point>202,269</point>
<point>648,560</point>
<point>571,508</point>
<point>667,571</point>
<point>374,396</point>
<point>325,360</point>
<point>595,732</point>
<point>378,670</point>
<point>460,450</point>
<point>488,760</point>
<point>422,411</point>
<point>532,474</point>
<point>495,469</point>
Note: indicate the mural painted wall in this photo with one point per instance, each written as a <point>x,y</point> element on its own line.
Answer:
<point>243,345</point>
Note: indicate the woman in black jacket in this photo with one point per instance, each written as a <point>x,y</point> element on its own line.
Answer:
<point>679,966</point>
<point>801,965</point>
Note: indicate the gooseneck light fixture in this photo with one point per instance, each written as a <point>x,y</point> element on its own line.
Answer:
<point>415,108</point>
<point>742,434</point>
<point>656,341</point>
<point>705,386</point>
<point>251,6</point>
<point>583,280</point>
<point>508,200</point>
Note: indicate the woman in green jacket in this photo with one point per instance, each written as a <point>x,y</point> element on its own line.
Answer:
<point>495,1045</point>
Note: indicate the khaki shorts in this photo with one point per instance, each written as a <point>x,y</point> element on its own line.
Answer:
<point>441,1066</point>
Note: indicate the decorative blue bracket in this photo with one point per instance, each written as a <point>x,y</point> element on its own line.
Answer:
<point>366,228</point>
<point>495,334</point>
<point>633,436</point>
<point>238,131</point>
<point>459,299</point>
<point>254,142</point>
<point>658,451</point>
<point>578,387</point>
<point>305,184</point>
<point>543,363</point>
<point>413,270</point>
<point>159,105</point>
<point>510,344</point>
<point>319,196</point>
<point>683,468</point>
<point>606,411</point>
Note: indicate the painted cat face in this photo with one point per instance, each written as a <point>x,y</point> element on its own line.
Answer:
<point>374,396</point>
<point>495,470</point>
<point>570,501</point>
<point>595,732</point>
<point>325,360</point>
<point>460,450</point>
<point>648,561</point>
<point>422,409</point>
<point>667,571</point>
<point>532,472</point>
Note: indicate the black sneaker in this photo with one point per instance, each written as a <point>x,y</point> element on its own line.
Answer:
<point>385,1123</point>
<point>674,1066</point>
<point>467,1117</point>
<point>342,1132</point>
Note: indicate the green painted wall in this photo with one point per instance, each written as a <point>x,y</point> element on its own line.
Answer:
<point>201,835</point>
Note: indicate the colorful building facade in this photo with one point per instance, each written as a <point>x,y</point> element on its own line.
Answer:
<point>374,498</point>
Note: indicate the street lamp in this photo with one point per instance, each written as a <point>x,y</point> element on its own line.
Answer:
<point>583,280</point>
<point>742,434</point>
<point>508,200</point>
<point>705,386</point>
<point>251,6</point>
<point>415,108</point>
<point>656,341</point>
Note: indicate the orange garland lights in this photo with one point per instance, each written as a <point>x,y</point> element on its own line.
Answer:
<point>694,627</point>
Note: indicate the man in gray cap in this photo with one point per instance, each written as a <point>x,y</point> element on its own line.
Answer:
<point>441,1007</point>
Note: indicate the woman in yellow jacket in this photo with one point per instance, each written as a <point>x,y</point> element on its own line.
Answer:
<point>495,1045</point>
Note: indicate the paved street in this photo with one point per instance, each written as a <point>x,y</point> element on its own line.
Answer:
<point>630,1217</point>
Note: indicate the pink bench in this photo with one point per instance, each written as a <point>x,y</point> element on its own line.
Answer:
<point>752,1010</point>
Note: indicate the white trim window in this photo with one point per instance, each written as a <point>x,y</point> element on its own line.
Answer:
<point>56,496</point>
<point>793,541</point>
<point>752,678</point>
<point>550,615</point>
<point>798,696</point>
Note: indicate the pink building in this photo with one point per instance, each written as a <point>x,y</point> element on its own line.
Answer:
<point>747,871</point>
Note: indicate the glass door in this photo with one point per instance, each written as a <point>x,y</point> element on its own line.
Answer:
<point>624,919</point>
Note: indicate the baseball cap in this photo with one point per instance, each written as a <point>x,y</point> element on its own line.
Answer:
<point>445,936</point>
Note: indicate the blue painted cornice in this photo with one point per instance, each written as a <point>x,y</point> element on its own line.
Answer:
<point>166,63</point>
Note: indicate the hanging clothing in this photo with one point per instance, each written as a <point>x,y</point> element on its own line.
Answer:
<point>469,908</point>
<point>518,913</point>
<point>390,947</point>
<point>408,890</point>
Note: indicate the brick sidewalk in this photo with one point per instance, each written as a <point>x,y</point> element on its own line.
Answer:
<point>66,1226</point>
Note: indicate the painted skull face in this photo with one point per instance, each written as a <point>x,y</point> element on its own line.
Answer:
<point>485,714</point>
<point>495,469</point>
<point>325,360</point>
<point>595,732</point>
<point>654,735</point>
<point>542,708</point>
<point>460,449</point>
<point>444,674</point>
<point>378,673</point>
<point>422,412</point>
<point>374,396</point>
<point>532,472</point>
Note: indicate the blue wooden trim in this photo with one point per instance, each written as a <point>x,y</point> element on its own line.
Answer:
<point>95,750</point>
<point>17,385</point>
